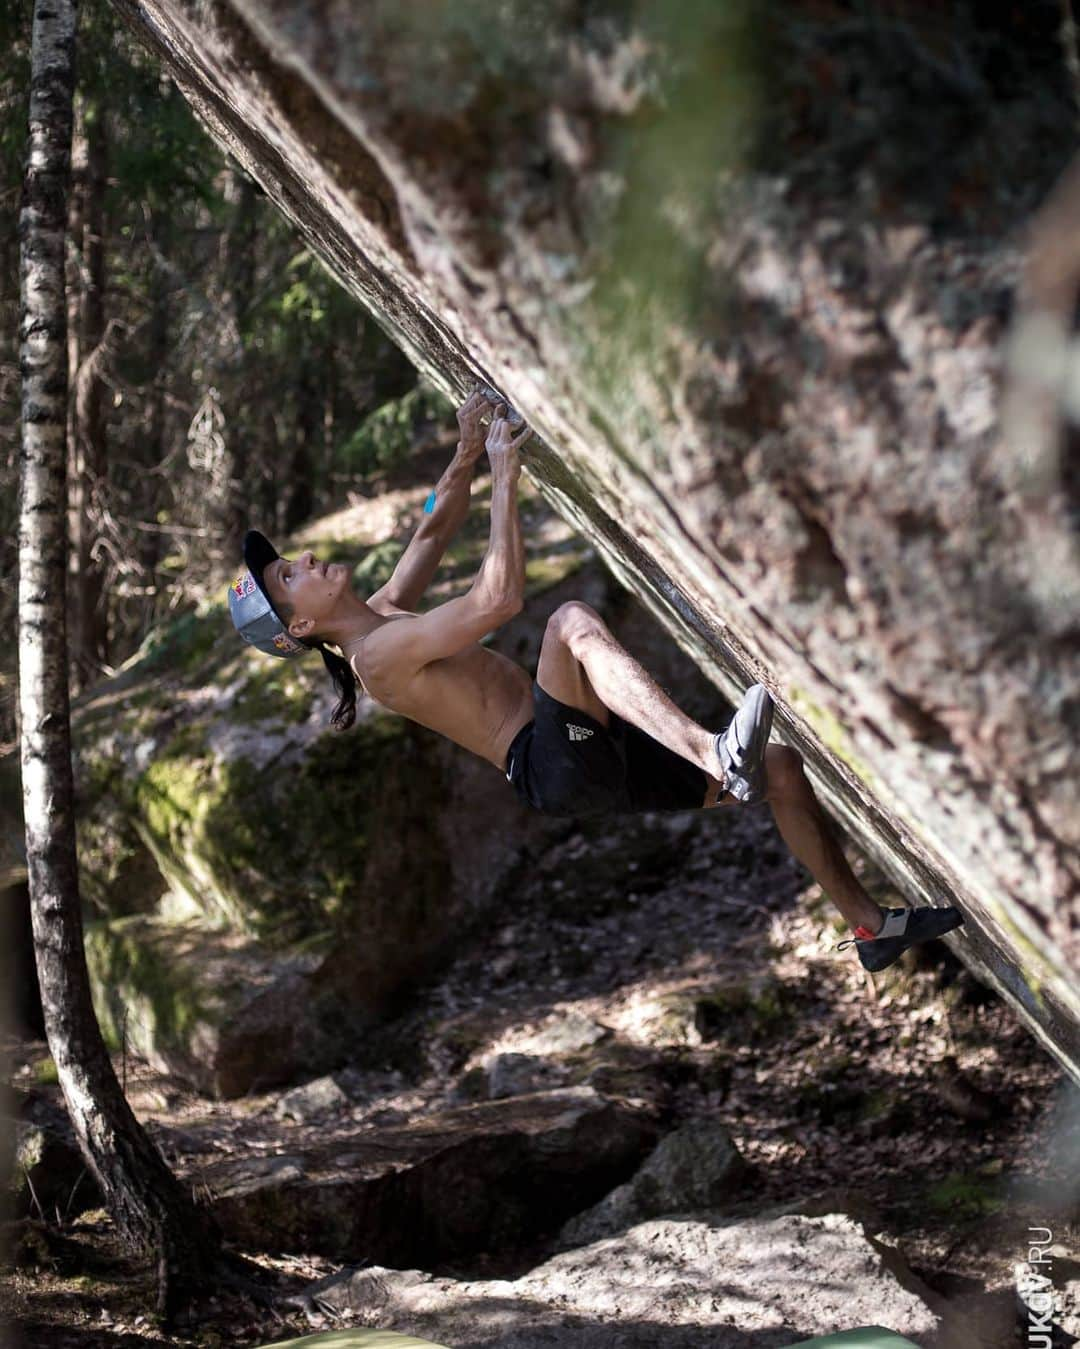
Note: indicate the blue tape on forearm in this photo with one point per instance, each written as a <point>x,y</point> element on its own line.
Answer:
<point>429,504</point>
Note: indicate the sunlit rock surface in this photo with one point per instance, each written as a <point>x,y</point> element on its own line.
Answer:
<point>750,281</point>
<point>692,1283</point>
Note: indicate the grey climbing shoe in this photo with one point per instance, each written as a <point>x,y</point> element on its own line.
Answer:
<point>741,748</point>
<point>902,928</point>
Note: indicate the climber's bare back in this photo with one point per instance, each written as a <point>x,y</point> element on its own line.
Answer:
<point>477,698</point>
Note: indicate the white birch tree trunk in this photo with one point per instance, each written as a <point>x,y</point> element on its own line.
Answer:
<point>153,1211</point>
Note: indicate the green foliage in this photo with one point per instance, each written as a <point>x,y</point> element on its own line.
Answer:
<point>163,161</point>
<point>300,301</point>
<point>385,437</point>
<point>184,644</point>
<point>308,296</point>
<point>966,1196</point>
<point>374,568</point>
<point>45,1073</point>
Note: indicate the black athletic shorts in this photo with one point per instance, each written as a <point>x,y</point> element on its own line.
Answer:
<point>565,762</point>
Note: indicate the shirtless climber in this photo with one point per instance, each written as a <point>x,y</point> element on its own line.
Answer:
<point>593,734</point>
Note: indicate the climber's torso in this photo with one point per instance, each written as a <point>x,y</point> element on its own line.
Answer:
<point>477,698</point>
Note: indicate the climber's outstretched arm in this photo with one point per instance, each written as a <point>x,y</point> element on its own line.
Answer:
<point>420,561</point>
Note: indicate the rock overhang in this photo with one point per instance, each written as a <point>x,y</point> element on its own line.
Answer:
<point>803,472</point>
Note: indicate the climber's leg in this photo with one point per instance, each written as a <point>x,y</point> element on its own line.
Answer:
<point>881,935</point>
<point>583,665</point>
<point>807,832</point>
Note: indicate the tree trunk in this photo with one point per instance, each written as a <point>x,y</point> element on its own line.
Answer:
<point>152,1209</point>
<point>89,410</point>
<point>153,447</point>
<point>238,256</point>
<point>300,497</point>
<point>73,284</point>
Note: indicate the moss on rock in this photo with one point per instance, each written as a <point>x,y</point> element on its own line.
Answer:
<point>831,733</point>
<point>967,1196</point>
<point>279,855</point>
<point>274,693</point>
<point>117,873</point>
<point>211,1006</point>
<point>142,987</point>
<point>750,1009</point>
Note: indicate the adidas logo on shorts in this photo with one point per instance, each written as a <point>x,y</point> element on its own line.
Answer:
<point>578,732</point>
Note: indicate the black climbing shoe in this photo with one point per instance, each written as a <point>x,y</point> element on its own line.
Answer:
<point>741,748</point>
<point>902,928</point>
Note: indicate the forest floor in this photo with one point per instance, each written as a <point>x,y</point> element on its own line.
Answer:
<point>916,1094</point>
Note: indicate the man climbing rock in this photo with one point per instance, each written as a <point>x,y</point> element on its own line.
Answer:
<point>592,734</point>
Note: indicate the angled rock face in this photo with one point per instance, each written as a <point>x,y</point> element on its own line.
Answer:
<point>216,1009</point>
<point>479,1178</point>
<point>695,1167</point>
<point>750,282</point>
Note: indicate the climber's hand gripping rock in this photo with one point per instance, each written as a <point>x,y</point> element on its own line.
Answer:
<point>502,448</point>
<point>470,420</point>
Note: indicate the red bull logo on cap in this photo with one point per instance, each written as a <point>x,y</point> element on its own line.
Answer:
<point>284,642</point>
<point>244,585</point>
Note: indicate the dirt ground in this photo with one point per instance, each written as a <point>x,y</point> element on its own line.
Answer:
<point>913,1096</point>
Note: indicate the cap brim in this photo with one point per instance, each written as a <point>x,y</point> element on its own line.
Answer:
<point>259,552</point>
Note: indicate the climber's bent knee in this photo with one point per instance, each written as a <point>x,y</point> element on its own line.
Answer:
<point>573,622</point>
<point>559,672</point>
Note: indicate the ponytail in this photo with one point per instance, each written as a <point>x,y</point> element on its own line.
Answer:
<point>341,673</point>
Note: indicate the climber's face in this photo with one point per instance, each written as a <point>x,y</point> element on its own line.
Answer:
<point>305,591</point>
